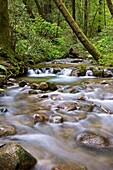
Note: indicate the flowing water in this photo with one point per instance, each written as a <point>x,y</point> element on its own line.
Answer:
<point>50,142</point>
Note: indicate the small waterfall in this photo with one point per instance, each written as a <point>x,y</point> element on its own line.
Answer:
<point>48,72</point>
<point>66,72</point>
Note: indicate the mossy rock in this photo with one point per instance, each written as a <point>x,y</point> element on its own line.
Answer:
<point>79,70</point>
<point>13,156</point>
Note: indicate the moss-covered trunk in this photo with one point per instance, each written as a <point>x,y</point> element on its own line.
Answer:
<point>4,25</point>
<point>76,29</point>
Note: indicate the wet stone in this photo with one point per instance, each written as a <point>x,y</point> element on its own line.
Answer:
<point>34,86</point>
<point>107,73</point>
<point>13,157</point>
<point>67,106</point>
<point>52,86</point>
<point>3,110</point>
<point>22,83</point>
<point>87,107</point>
<point>92,140</point>
<point>69,166</point>
<point>56,119</point>
<point>33,92</point>
<point>2,92</point>
<point>39,118</point>
<point>43,86</point>
<point>7,130</point>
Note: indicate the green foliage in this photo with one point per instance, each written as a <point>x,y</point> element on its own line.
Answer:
<point>41,39</point>
<point>2,68</point>
<point>104,43</point>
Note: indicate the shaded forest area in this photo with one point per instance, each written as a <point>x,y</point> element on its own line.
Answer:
<point>34,31</point>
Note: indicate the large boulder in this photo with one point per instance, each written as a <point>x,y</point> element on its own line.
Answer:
<point>92,140</point>
<point>69,166</point>
<point>14,157</point>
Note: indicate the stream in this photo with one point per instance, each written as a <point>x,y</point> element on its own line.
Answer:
<point>50,142</point>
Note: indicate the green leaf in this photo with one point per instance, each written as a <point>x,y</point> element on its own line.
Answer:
<point>2,68</point>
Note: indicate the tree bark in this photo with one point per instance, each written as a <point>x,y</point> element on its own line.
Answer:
<point>39,8</point>
<point>110,6</point>
<point>73,9</point>
<point>77,30</point>
<point>29,11</point>
<point>100,16</point>
<point>86,17</point>
<point>4,25</point>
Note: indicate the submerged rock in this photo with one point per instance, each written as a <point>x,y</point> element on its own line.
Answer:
<point>7,130</point>
<point>56,118</point>
<point>69,166</point>
<point>14,157</point>
<point>39,118</point>
<point>92,140</point>
<point>22,83</point>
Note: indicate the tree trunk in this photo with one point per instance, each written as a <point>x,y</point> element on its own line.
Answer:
<point>29,11</point>
<point>48,11</point>
<point>76,29</point>
<point>39,8</point>
<point>4,25</point>
<point>86,17</point>
<point>110,6</point>
<point>73,9</point>
<point>100,16</point>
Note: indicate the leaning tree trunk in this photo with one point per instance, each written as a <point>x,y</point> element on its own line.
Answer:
<point>110,6</point>
<point>77,30</point>
<point>4,25</point>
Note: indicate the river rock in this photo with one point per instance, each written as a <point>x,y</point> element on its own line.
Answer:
<point>79,70</point>
<point>92,140</point>
<point>2,92</point>
<point>12,80</point>
<point>85,106</point>
<point>67,106</point>
<point>7,130</point>
<point>3,110</point>
<point>97,72</point>
<point>34,86</point>
<point>32,91</point>
<point>107,73</point>
<point>56,118</point>
<point>69,166</point>
<point>52,86</point>
<point>22,83</point>
<point>43,86</point>
<point>14,157</point>
<point>56,70</point>
<point>39,118</point>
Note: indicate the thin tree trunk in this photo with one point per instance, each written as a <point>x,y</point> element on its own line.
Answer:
<point>29,11</point>
<point>39,8</point>
<point>86,17</point>
<point>100,16</point>
<point>48,11</point>
<point>73,9</point>
<point>110,6</point>
<point>76,29</point>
